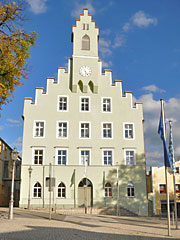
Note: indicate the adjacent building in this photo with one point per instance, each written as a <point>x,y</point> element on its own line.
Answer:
<point>84,133</point>
<point>6,175</point>
<point>156,187</point>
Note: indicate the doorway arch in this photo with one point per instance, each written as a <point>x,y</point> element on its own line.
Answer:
<point>85,193</point>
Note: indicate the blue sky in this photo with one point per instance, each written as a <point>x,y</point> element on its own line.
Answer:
<point>139,41</point>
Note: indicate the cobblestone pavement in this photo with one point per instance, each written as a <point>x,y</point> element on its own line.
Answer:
<point>36,225</point>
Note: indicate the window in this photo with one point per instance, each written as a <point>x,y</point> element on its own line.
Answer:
<point>106,105</point>
<point>39,128</point>
<point>84,130</point>
<point>128,131</point>
<point>18,171</point>
<point>130,157</point>
<point>63,103</point>
<point>85,157</point>
<point>85,42</point>
<point>107,157</point>
<point>108,190</point>
<point>177,169</point>
<point>164,207</point>
<point>37,190</point>
<point>177,188</point>
<point>85,26</point>
<point>107,130</point>
<point>162,188</point>
<point>61,190</point>
<point>62,129</point>
<point>62,157</point>
<point>84,104</point>
<point>130,190</point>
<point>5,171</point>
<point>38,157</point>
<point>5,152</point>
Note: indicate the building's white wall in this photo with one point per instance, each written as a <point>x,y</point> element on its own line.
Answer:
<point>45,108</point>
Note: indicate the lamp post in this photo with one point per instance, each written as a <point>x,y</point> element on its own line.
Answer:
<point>29,194</point>
<point>117,177</point>
<point>86,185</point>
<point>14,156</point>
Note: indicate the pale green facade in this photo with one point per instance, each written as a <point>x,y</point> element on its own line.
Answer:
<point>94,86</point>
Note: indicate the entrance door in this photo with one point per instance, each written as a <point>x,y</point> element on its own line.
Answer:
<point>85,193</point>
<point>178,210</point>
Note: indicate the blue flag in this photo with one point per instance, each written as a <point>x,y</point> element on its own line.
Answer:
<point>161,133</point>
<point>171,149</point>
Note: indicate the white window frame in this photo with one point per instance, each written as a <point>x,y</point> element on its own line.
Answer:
<point>65,190</point>
<point>177,170</point>
<point>159,188</point>
<point>130,185</point>
<point>84,122</point>
<point>58,99</point>
<point>56,158</point>
<point>177,184</point>
<point>33,191</point>
<point>129,123</point>
<point>102,104</point>
<point>107,149</point>
<point>33,151</point>
<point>34,128</point>
<point>84,149</point>
<point>130,150</point>
<point>102,135</point>
<point>80,103</point>
<point>57,129</point>
<point>108,190</point>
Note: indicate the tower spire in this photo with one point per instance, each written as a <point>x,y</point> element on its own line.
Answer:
<point>85,36</point>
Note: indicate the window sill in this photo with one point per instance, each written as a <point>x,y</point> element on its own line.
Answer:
<point>38,136</point>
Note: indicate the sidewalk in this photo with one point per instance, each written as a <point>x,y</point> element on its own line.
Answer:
<point>36,225</point>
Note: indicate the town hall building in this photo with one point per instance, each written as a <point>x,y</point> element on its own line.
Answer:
<point>85,134</point>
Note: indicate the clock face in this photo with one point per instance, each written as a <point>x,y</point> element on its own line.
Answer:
<point>85,71</point>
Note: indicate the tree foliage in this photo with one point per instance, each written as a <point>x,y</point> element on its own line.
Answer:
<point>15,44</point>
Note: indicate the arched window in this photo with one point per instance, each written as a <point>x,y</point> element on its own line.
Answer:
<point>80,84</point>
<point>85,182</point>
<point>130,190</point>
<point>108,190</point>
<point>37,190</point>
<point>91,86</point>
<point>85,42</point>
<point>61,190</point>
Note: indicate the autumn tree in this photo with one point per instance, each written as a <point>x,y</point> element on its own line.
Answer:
<point>15,44</point>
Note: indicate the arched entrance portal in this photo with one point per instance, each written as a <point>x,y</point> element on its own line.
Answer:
<point>85,193</point>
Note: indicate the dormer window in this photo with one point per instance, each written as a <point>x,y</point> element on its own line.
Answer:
<point>85,42</point>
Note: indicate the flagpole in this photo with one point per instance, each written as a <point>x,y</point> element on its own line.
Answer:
<point>118,207</point>
<point>74,188</point>
<point>166,172</point>
<point>174,183</point>
<point>175,204</point>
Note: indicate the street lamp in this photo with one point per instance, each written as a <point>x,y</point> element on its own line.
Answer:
<point>14,156</point>
<point>29,194</point>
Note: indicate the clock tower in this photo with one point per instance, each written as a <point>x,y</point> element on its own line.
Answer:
<point>85,63</point>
